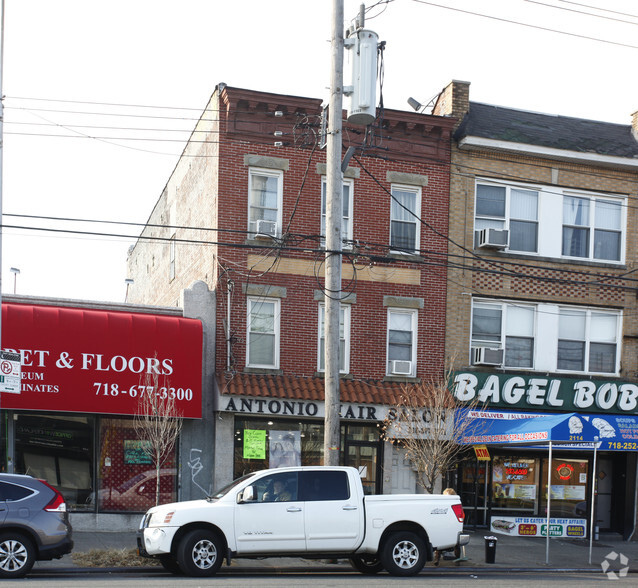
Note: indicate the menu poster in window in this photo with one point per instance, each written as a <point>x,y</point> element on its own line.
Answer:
<point>134,452</point>
<point>285,449</point>
<point>254,444</point>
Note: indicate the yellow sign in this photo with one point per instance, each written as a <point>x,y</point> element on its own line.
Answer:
<point>482,454</point>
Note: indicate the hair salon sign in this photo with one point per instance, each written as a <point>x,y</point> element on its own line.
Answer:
<point>542,392</point>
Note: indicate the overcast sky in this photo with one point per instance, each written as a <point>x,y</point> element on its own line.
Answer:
<point>69,66</point>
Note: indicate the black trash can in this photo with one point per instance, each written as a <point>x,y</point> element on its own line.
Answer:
<point>490,549</point>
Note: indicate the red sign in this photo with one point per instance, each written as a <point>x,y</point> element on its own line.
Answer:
<point>99,361</point>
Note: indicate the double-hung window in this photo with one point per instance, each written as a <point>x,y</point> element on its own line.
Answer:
<point>346,215</point>
<point>264,201</point>
<point>405,219</point>
<point>510,208</point>
<point>587,341</point>
<point>344,339</point>
<point>505,326</point>
<point>401,342</point>
<point>263,333</point>
<point>592,228</point>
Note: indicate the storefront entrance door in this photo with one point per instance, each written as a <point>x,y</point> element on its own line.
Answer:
<point>473,491</point>
<point>364,457</point>
<point>604,474</point>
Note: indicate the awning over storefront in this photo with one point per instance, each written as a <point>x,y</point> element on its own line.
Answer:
<point>571,430</point>
<point>96,361</point>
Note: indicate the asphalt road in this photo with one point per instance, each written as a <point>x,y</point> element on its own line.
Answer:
<point>136,579</point>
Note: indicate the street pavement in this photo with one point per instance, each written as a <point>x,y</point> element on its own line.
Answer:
<point>513,554</point>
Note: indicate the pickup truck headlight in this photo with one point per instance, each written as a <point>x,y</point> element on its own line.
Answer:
<point>161,517</point>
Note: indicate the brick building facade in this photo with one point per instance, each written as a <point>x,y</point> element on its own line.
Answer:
<point>542,310</point>
<point>242,212</point>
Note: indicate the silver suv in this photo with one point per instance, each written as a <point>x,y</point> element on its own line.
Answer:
<point>34,524</point>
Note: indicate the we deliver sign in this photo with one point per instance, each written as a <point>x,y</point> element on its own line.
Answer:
<point>98,361</point>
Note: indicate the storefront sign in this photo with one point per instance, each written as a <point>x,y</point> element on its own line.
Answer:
<point>537,527</point>
<point>254,444</point>
<point>299,408</point>
<point>538,392</point>
<point>482,454</point>
<point>97,361</point>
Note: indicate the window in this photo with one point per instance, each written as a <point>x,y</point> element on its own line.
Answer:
<point>553,222</point>
<point>324,485</point>
<point>13,492</point>
<point>263,333</point>
<point>587,338</point>
<point>509,208</point>
<point>264,201</point>
<point>344,339</point>
<point>401,343</point>
<point>405,221</point>
<point>505,326</point>
<point>346,218</point>
<point>571,339</point>
<point>582,218</point>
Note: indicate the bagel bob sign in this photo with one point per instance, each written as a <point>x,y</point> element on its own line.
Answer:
<point>536,392</point>
<point>102,362</point>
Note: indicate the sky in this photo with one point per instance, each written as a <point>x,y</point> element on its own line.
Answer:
<point>100,97</point>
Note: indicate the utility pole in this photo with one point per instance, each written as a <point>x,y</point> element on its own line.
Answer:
<point>334,196</point>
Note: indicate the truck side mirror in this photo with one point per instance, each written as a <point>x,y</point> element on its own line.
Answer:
<point>248,495</point>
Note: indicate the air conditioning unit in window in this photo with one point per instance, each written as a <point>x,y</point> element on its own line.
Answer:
<point>401,367</point>
<point>265,228</point>
<point>493,238</point>
<point>487,356</point>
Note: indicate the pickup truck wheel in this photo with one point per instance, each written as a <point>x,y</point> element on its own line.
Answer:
<point>200,553</point>
<point>17,555</point>
<point>367,565</point>
<point>403,554</point>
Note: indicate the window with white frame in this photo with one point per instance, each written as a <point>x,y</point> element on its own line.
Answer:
<point>263,332</point>
<point>264,201</point>
<point>552,221</point>
<point>401,342</point>
<point>346,216</point>
<point>344,339</point>
<point>587,341</point>
<point>505,326</point>
<point>548,337</point>
<point>405,213</point>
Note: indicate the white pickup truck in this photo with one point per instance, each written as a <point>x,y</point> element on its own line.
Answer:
<point>309,512</point>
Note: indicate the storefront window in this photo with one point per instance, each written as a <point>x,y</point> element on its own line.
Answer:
<point>515,484</point>
<point>262,444</point>
<point>569,488</point>
<point>58,449</point>
<point>127,475</point>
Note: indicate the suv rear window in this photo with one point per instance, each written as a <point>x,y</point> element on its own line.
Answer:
<point>10,492</point>
<point>325,485</point>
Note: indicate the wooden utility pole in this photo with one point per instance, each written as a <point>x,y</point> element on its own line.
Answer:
<point>334,196</point>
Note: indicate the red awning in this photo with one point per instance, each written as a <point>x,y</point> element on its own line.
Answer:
<point>96,361</point>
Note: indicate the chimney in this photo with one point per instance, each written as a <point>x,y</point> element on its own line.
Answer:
<point>634,125</point>
<point>454,100</point>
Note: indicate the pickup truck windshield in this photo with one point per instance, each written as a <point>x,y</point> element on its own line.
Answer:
<point>226,489</point>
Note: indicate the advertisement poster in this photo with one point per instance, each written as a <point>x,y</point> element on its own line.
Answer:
<point>537,527</point>
<point>285,449</point>
<point>254,444</point>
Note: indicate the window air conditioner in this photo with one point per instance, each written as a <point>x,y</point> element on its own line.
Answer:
<point>401,367</point>
<point>487,356</point>
<point>493,238</point>
<point>265,228</point>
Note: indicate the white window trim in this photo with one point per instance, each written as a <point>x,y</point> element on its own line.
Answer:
<point>346,239</point>
<point>259,171</point>
<point>417,219</point>
<point>346,335</point>
<point>546,318</point>
<point>277,333</point>
<point>414,315</point>
<point>550,204</point>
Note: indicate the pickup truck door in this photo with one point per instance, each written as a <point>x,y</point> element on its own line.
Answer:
<point>333,511</point>
<point>273,522</point>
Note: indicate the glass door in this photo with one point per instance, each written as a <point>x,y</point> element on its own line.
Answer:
<point>362,450</point>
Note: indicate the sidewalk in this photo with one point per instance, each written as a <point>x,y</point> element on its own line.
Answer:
<point>512,554</point>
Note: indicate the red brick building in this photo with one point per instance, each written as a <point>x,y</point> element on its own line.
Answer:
<point>243,212</point>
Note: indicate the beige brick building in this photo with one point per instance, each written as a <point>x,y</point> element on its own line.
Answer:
<point>542,311</point>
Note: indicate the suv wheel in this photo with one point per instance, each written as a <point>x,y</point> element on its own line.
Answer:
<point>17,555</point>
